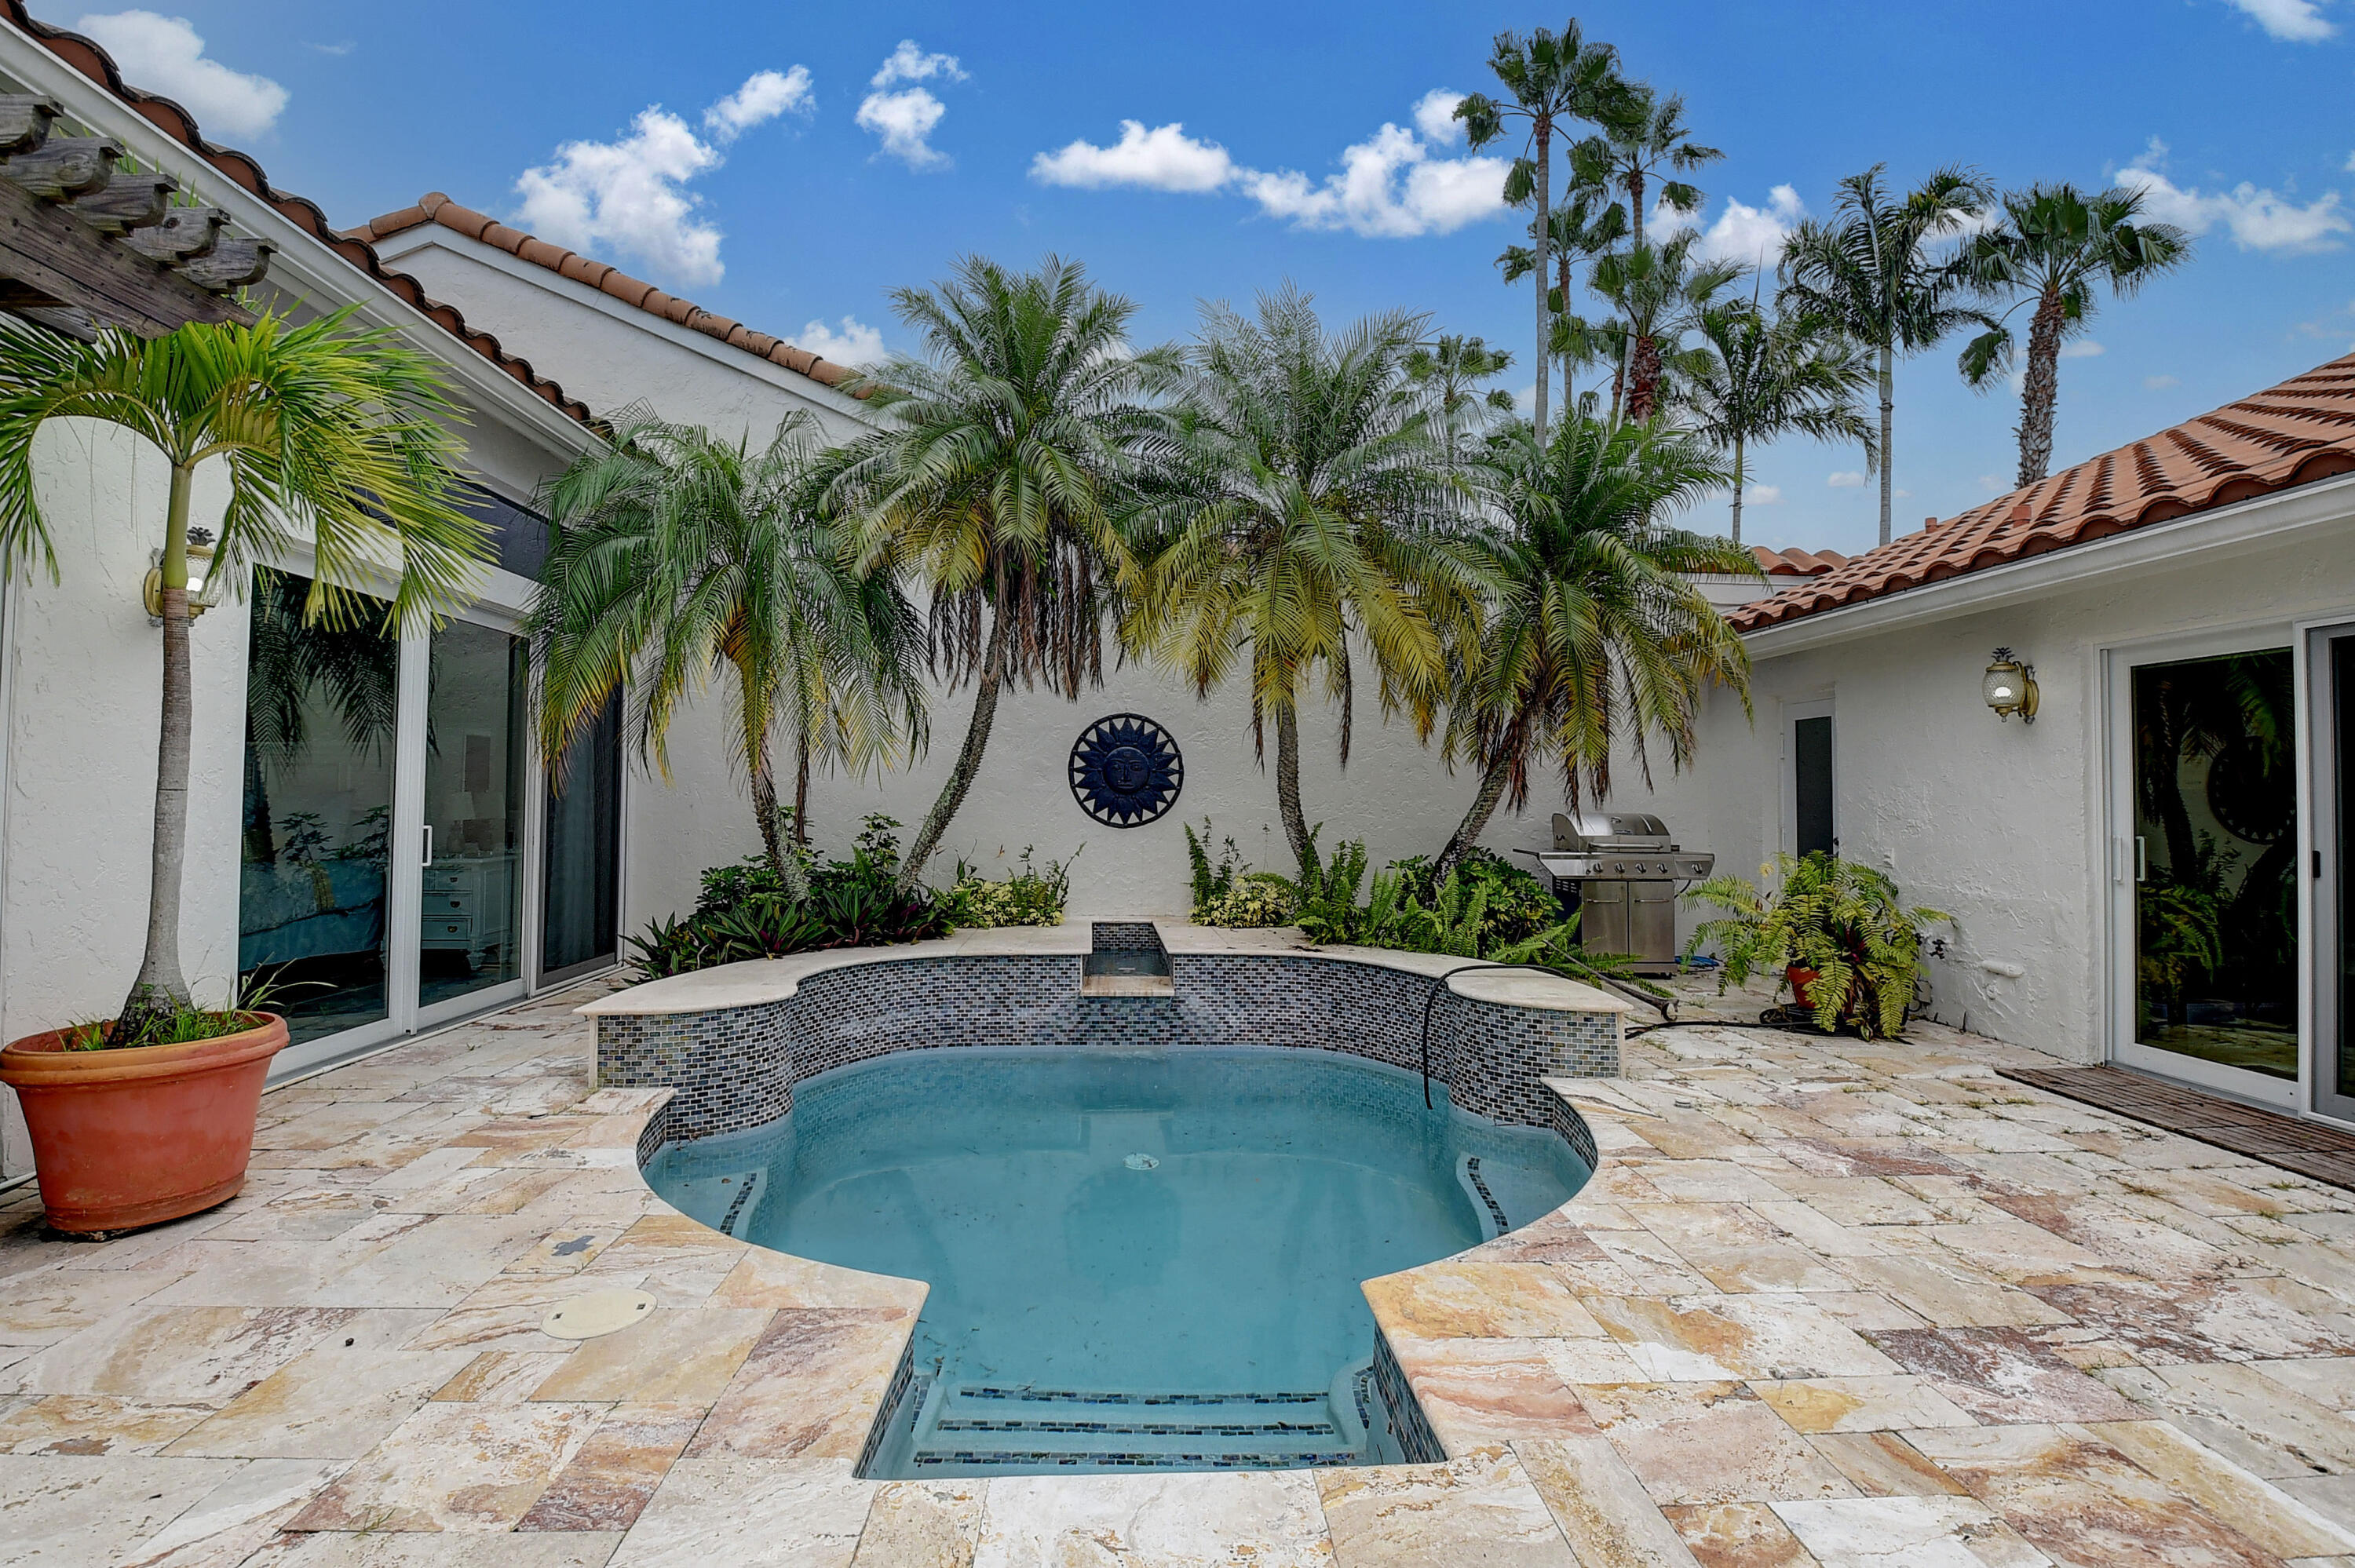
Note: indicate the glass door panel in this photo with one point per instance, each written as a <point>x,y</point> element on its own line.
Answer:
<point>2215,866</point>
<point>314,879</point>
<point>2333,699</point>
<point>584,839</point>
<point>470,922</point>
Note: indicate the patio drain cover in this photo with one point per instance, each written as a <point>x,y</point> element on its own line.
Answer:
<point>597,1313</point>
<point>1140,1162</point>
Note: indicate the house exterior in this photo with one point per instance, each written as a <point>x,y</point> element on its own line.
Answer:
<point>2186,603</point>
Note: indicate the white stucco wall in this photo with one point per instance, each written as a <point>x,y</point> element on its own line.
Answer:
<point>85,671</point>
<point>2002,824</point>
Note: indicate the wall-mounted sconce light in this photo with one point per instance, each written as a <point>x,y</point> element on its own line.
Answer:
<point>200,565</point>
<point>2011,688</point>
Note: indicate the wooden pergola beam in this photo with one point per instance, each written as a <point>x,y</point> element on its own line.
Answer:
<point>48,250</point>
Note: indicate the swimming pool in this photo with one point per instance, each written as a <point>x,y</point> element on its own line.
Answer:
<point>1138,1257</point>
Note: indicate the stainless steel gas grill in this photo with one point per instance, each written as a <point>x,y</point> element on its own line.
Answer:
<point>1624,872</point>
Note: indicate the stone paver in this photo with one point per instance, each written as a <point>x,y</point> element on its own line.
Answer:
<point>1825,1303</point>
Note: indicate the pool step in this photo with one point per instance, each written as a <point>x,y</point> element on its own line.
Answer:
<point>980,1427</point>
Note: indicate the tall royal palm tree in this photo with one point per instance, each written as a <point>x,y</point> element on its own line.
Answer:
<point>1762,375</point>
<point>1659,293</point>
<point>998,482</point>
<point>332,438</point>
<point>2052,249</point>
<point>1586,224</point>
<point>1597,635</point>
<point>1452,371</point>
<point>1551,80</point>
<point>1870,271</point>
<point>1309,516</point>
<point>678,556</point>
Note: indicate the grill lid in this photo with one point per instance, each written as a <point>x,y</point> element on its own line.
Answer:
<point>1590,832</point>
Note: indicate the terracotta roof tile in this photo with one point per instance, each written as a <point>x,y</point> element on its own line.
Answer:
<point>2295,433</point>
<point>1796,563</point>
<point>177,122</point>
<point>438,208</point>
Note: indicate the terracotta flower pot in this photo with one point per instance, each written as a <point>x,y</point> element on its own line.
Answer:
<point>1801,981</point>
<point>147,1133</point>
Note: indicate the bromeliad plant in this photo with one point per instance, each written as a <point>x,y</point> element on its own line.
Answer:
<point>1839,920</point>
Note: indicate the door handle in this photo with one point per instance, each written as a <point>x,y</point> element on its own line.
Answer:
<point>2142,858</point>
<point>428,860</point>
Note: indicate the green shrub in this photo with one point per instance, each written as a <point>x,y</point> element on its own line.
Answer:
<point>744,910</point>
<point>1228,891</point>
<point>1835,916</point>
<point>1025,897</point>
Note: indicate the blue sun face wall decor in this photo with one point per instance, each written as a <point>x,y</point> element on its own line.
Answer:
<point>1126,770</point>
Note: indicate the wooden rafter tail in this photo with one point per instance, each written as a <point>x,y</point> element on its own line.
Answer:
<point>182,234</point>
<point>64,167</point>
<point>231,264</point>
<point>127,202</point>
<point>25,121</point>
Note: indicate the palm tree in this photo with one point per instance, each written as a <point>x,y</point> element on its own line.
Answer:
<point>677,556</point>
<point>1868,272</point>
<point>336,439</point>
<point>1646,140</point>
<point>1762,376</point>
<point>1307,512</point>
<point>999,481</point>
<point>1661,292</point>
<point>1551,79</point>
<point>1451,369</point>
<point>1588,223</point>
<point>1597,635</point>
<point>2053,248</point>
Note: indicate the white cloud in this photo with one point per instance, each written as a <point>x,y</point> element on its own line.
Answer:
<point>1434,116</point>
<point>2083,348</point>
<point>1992,481</point>
<point>1752,235</point>
<point>855,343</point>
<point>1762,495</point>
<point>1849,480</point>
<point>626,193</point>
<point>908,63</point>
<point>765,95</point>
<point>2257,219</point>
<point>1396,184</point>
<point>164,54</point>
<point>905,120</point>
<point>2349,164</point>
<point>2160,383</point>
<point>1389,187</point>
<point>1163,159</point>
<point>2293,21</point>
<point>339,51</point>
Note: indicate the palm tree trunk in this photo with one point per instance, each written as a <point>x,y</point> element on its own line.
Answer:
<point>1544,131</point>
<point>1643,378</point>
<point>2043,390</point>
<point>801,790</point>
<point>1737,490</point>
<point>161,986</point>
<point>1493,780</point>
<point>968,762</point>
<point>1287,782</point>
<point>1888,421</point>
<point>1569,394</point>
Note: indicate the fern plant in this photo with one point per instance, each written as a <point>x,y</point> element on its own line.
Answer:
<point>1834,916</point>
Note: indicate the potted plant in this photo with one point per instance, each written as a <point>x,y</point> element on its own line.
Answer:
<point>1848,950</point>
<point>335,439</point>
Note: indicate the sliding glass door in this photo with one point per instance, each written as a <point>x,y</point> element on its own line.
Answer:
<point>392,827</point>
<point>2331,704</point>
<point>2211,867</point>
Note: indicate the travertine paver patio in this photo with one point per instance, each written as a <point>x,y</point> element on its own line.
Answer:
<point>1825,1303</point>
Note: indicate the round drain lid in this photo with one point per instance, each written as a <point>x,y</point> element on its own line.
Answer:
<point>1140,1162</point>
<point>599,1312</point>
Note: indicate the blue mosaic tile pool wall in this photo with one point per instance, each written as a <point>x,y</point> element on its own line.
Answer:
<point>1418,1444</point>
<point>735,1068</point>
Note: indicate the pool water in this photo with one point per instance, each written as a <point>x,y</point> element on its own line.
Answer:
<point>1139,1259</point>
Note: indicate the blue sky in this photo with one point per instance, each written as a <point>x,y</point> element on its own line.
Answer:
<point>804,159</point>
